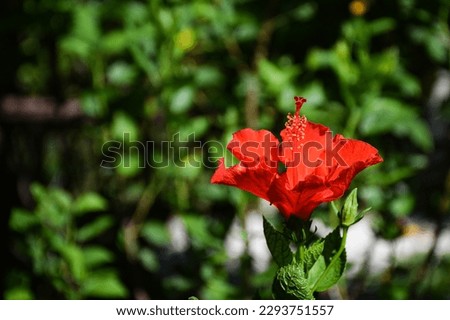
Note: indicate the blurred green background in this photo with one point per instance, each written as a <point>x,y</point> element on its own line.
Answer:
<point>85,81</point>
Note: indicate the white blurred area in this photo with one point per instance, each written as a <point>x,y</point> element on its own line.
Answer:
<point>364,249</point>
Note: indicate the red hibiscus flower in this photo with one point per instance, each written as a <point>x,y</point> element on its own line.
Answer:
<point>317,167</point>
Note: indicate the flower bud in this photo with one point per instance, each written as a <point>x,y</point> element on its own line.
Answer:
<point>349,213</point>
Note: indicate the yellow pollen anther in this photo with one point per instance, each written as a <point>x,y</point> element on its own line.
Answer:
<point>296,124</point>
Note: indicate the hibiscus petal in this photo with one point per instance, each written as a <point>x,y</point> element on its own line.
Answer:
<point>300,201</point>
<point>252,147</point>
<point>255,179</point>
<point>354,156</point>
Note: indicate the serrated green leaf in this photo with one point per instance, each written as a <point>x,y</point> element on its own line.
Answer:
<point>278,244</point>
<point>317,277</point>
<point>312,253</point>
<point>291,283</point>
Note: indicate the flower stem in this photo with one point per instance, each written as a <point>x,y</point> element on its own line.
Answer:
<point>334,207</point>
<point>301,252</point>
<point>335,258</point>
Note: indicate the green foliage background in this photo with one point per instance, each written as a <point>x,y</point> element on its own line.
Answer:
<point>196,71</point>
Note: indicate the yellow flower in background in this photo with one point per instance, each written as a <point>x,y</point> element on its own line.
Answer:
<point>358,7</point>
<point>185,39</point>
<point>412,229</point>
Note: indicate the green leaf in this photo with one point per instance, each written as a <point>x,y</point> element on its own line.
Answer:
<point>382,25</point>
<point>121,73</point>
<point>277,75</point>
<point>19,293</point>
<point>384,115</point>
<point>156,233</point>
<point>73,255</point>
<point>290,283</point>
<point>278,244</point>
<point>86,22</point>
<point>318,59</point>
<point>402,205</point>
<point>114,42</point>
<point>89,202</point>
<point>132,164</point>
<point>124,128</point>
<point>420,134</point>
<point>21,220</point>
<point>199,230</point>
<point>349,213</point>
<point>38,191</point>
<point>95,256</point>
<point>208,76</point>
<point>85,33</point>
<point>218,288</point>
<point>148,259</point>
<point>192,129</point>
<point>103,284</point>
<point>53,206</point>
<point>94,228</point>
<point>317,278</point>
<point>178,283</point>
<point>92,104</point>
<point>312,253</point>
<point>182,100</point>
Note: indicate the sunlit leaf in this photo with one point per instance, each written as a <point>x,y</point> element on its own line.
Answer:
<point>94,228</point>
<point>182,99</point>
<point>103,284</point>
<point>156,233</point>
<point>89,202</point>
<point>326,271</point>
<point>95,256</point>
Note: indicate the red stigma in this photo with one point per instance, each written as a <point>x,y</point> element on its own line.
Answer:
<point>299,101</point>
